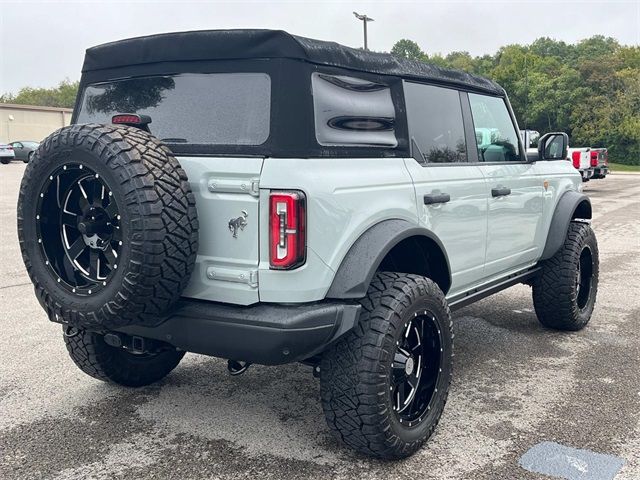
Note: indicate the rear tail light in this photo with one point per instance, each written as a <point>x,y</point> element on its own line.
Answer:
<point>594,159</point>
<point>575,156</point>
<point>287,229</point>
<point>9,147</point>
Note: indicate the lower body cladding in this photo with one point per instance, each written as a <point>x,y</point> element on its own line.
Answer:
<point>267,334</point>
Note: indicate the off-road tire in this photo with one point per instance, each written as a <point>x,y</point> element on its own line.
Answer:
<point>159,226</point>
<point>355,372</point>
<point>115,365</point>
<point>555,292</point>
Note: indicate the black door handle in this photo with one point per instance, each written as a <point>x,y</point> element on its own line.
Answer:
<point>500,192</point>
<point>433,198</point>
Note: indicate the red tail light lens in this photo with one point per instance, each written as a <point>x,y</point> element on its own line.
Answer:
<point>287,230</point>
<point>131,119</point>
<point>575,156</point>
<point>594,159</point>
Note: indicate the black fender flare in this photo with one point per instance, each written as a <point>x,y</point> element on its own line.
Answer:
<point>366,254</point>
<point>570,206</point>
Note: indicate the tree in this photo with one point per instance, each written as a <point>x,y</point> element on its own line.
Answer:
<point>64,95</point>
<point>408,49</point>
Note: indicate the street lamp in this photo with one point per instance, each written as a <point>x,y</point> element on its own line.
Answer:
<point>364,19</point>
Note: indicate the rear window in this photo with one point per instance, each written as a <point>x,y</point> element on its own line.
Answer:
<point>214,109</point>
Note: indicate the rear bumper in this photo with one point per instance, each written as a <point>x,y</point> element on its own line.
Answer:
<point>265,333</point>
<point>601,171</point>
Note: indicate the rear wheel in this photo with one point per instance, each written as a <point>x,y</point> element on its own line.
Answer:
<point>564,294</point>
<point>29,157</point>
<point>96,358</point>
<point>5,161</point>
<point>384,385</point>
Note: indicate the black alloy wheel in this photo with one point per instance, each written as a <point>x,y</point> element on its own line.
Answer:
<point>78,228</point>
<point>584,275</point>
<point>416,368</point>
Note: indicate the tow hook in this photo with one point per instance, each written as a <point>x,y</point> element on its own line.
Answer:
<point>237,368</point>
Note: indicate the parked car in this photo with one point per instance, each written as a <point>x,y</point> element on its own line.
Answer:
<point>334,211</point>
<point>6,153</point>
<point>600,162</point>
<point>24,149</point>
<point>581,161</point>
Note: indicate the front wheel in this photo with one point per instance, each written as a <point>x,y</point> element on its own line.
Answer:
<point>29,157</point>
<point>564,294</point>
<point>384,385</point>
<point>99,360</point>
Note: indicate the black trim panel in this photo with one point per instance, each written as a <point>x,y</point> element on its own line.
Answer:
<point>479,293</point>
<point>564,212</point>
<point>365,256</point>
<point>263,333</point>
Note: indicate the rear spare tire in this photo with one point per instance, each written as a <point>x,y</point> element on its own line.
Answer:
<point>107,226</point>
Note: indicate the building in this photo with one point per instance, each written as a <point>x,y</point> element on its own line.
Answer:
<point>29,122</point>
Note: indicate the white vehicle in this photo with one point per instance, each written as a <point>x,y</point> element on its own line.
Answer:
<point>270,199</point>
<point>581,160</point>
<point>6,153</point>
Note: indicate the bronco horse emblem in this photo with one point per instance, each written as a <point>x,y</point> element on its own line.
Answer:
<point>239,223</point>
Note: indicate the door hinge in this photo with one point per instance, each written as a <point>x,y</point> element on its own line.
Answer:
<point>249,277</point>
<point>255,187</point>
<point>234,185</point>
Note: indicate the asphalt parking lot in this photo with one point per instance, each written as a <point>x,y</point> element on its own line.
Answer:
<point>515,385</point>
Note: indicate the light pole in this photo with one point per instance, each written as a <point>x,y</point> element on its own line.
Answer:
<point>364,19</point>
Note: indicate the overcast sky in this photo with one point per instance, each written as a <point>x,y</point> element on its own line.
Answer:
<point>42,42</point>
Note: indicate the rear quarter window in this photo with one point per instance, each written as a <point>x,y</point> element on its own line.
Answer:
<point>350,111</point>
<point>216,108</point>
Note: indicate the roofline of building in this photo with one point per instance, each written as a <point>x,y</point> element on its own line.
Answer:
<point>16,106</point>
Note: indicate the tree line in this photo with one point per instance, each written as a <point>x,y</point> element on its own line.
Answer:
<point>590,90</point>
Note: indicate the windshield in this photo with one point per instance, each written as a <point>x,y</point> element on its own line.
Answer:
<point>217,108</point>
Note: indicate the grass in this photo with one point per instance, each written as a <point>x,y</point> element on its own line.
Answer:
<point>619,167</point>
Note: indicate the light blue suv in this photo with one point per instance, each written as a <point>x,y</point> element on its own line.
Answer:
<point>267,198</point>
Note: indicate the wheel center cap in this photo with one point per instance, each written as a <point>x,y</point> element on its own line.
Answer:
<point>408,367</point>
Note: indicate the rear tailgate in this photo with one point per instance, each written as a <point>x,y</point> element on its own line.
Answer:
<point>227,195</point>
<point>585,159</point>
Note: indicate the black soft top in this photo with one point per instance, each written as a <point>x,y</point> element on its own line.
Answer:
<point>206,45</point>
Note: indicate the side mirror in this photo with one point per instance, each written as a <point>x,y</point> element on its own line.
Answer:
<point>553,146</point>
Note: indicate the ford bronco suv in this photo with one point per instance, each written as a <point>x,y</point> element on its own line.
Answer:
<point>267,198</point>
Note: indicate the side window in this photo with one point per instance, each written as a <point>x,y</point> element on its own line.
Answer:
<point>350,111</point>
<point>435,122</point>
<point>496,136</point>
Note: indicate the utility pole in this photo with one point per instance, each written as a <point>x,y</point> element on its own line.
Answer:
<point>364,19</point>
